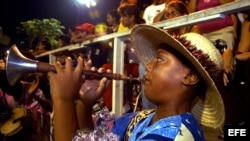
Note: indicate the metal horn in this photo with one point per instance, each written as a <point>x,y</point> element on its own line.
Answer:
<point>17,65</point>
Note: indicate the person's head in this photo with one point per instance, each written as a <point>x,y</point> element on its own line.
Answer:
<point>130,15</point>
<point>181,71</point>
<point>157,2</point>
<point>123,2</point>
<point>85,29</point>
<point>175,8</point>
<point>63,40</point>
<point>44,44</point>
<point>113,17</point>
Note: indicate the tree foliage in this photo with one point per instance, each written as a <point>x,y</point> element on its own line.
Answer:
<point>37,28</point>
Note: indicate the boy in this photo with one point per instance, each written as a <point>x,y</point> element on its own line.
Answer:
<point>182,78</point>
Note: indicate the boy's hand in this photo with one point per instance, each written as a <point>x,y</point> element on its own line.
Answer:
<point>92,90</point>
<point>66,82</point>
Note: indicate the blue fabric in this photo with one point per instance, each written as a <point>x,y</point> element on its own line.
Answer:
<point>156,138</point>
<point>191,123</point>
<point>165,129</point>
<point>121,124</point>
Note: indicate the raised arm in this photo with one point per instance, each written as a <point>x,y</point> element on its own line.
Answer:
<point>65,85</point>
<point>90,92</point>
<point>192,6</point>
<point>243,51</point>
<point>225,1</point>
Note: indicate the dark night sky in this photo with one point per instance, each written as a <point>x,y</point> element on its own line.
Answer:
<point>12,12</point>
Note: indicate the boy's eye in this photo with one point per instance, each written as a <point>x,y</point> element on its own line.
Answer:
<point>158,58</point>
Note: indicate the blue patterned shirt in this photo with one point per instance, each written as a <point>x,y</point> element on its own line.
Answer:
<point>182,127</point>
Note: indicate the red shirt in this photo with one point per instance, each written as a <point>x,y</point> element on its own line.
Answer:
<point>129,69</point>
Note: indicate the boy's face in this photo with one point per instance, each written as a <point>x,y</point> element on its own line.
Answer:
<point>163,77</point>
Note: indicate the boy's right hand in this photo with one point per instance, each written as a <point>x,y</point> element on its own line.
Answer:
<point>92,90</point>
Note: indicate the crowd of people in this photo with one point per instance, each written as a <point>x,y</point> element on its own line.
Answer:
<point>192,76</point>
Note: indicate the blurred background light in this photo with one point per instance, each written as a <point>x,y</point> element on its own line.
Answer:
<point>87,3</point>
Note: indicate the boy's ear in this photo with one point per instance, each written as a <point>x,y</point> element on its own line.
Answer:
<point>191,79</point>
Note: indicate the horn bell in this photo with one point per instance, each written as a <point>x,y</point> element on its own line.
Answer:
<point>18,65</point>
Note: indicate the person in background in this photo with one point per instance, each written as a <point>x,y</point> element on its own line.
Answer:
<point>238,86</point>
<point>183,75</point>
<point>152,10</point>
<point>35,101</point>
<point>130,15</point>
<point>222,29</point>
<point>124,2</point>
<point>7,100</point>
<point>13,92</point>
<point>83,32</point>
<point>161,16</point>
<point>128,2</point>
<point>244,44</point>
<point>243,57</point>
<point>2,61</point>
<point>42,46</point>
<point>95,51</point>
<point>63,40</point>
<point>130,69</point>
<point>8,96</point>
<point>177,8</point>
<point>113,21</point>
<point>31,94</point>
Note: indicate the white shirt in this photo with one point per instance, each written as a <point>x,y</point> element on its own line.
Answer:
<point>151,11</point>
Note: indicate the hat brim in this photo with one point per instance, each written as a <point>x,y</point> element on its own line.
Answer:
<point>146,40</point>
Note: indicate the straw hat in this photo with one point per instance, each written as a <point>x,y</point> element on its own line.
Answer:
<point>209,111</point>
